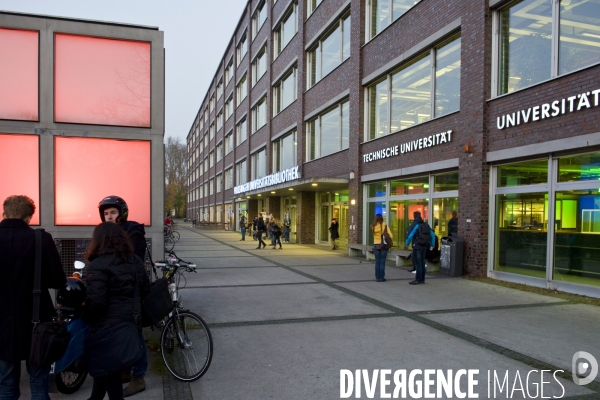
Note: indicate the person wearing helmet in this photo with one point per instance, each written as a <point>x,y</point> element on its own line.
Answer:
<point>17,265</point>
<point>72,295</point>
<point>114,209</point>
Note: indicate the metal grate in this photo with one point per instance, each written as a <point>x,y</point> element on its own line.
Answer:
<point>72,250</point>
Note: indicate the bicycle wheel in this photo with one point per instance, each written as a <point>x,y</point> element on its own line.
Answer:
<point>186,346</point>
<point>175,236</point>
<point>70,380</point>
<point>169,243</point>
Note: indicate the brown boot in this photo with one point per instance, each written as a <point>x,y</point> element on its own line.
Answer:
<point>137,385</point>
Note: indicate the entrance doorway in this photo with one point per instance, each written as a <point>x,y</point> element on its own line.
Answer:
<point>289,210</point>
<point>333,205</point>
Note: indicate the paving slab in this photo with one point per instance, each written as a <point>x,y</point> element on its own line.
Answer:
<point>561,330</point>
<point>221,252</point>
<point>229,262</point>
<point>303,361</point>
<point>353,272</point>
<point>282,302</point>
<point>309,259</point>
<point>243,276</point>
<point>445,294</point>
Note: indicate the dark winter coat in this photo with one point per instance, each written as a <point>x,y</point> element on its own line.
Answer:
<point>260,225</point>
<point>136,233</point>
<point>17,264</point>
<point>333,229</point>
<point>110,284</point>
<point>415,222</point>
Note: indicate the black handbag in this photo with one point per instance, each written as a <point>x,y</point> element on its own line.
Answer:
<point>157,304</point>
<point>386,240</point>
<point>49,340</point>
<point>116,347</point>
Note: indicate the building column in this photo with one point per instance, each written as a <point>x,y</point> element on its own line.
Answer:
<point>305,217</point>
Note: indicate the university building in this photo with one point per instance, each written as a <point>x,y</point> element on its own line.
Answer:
<point>348,108</point>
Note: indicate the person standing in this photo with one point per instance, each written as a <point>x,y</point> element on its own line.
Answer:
<point>111,279</point>
<point>286,227</point>
<point>416,220</point>
<point>17,266</point>
<point>255,228</point>
<point>275,231</point>
<point>260,228</point>
<point>269,229</point>
<point>453,224</point>
<point>380,251</point>
<point>422,237</point>
<point>114,209</point>
<point>243,227</point>
<point>333,232</point>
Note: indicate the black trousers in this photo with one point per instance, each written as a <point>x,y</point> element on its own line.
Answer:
<point>110,383</point>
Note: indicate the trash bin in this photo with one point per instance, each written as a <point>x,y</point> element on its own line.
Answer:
<point>451,257</point>
<point>185,220</point>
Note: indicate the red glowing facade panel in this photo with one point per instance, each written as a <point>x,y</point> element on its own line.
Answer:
<point>87,170</point>
<point>101,81</point>
<point>19,57</point>
<point>19,163</point>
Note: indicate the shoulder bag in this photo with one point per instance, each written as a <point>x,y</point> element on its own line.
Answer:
<point>386,239</point>
<point>158,303</point>
<point>116,347</point>
<point>49,340</point>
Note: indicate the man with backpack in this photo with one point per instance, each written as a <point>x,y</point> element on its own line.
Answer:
<point>243,227</point>
<point>422,238</point>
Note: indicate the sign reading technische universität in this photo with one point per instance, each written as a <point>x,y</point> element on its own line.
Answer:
<point>417,144</point>
<point>287,175</point>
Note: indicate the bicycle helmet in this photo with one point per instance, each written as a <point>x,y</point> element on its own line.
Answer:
<point>116,202</point>
<point>72,294</point>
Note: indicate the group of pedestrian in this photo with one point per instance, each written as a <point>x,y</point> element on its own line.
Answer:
<point>272,227</point>
<point>114,267</point>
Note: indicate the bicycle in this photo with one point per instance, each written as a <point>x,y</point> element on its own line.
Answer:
<point>185,343</point>
<point>171,237</point>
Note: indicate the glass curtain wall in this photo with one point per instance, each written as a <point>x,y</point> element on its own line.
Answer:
<point>548,227</point>
<point>331,205</point>
<point>397,200</point>
<point>289,208</point>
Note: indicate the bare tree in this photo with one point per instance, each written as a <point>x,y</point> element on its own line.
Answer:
<point>175,176</point>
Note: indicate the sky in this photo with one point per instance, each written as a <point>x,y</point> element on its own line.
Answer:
<point>196,33</point>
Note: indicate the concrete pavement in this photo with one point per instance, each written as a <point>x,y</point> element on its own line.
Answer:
<point>286,322</point>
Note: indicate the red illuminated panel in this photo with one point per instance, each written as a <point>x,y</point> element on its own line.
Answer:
<point>101,81</point>
<point>87,170</point>
<point>20,166</point>
<point>18,74</point>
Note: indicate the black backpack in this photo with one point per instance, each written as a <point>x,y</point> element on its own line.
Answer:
<point>423,234</point>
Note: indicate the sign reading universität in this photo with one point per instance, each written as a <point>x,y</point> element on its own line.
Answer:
<point>287,175</point>
<point>407,147</point>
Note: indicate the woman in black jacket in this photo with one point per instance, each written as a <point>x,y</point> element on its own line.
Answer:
<point>261,228</point>
<point>110,279</point>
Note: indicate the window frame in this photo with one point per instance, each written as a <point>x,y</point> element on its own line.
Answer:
<point>241,49</point>
<point>317,135</point>
<point>256,23</point>
<point>369,15</point>
<point>262,52</point>
<point>238,139</point>
<point>278,31</point>
<point>278,89</point>
<point>277,146</point>
<point>317,47</point>
<point>255,114</point>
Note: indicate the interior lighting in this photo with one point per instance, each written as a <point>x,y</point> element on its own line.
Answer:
<point>353,202</point>
<point>273,192</point>
<point>290,189</point>
<point>259,195</point>
<point>314,184</point>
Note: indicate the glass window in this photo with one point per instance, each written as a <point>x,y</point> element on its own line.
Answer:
<point>211,159</point>
<point>220,89</point>
<point>259,65</point>
<point>579,35</point>
<point>211,186</point>
<point>219,121</point>
<point>242,90</point>
<point>284,152</point>
<point>521,238</point>
<point>258,19</point>
<point>330,51</point>
<point>101,81</point>
<point>241,49</point>
<point>312,5</point>
<point>374,208</point>
<point>240,173</point>
<point>384,12</point>
<point>444,210</point>
<point>377,189</point>
<point>410,91</point>
<point>286,30</point>
<point>525,173</point>
<point>211,103</point>
<point>402,215</point>
<point>446,182</point>
<point>583,167</point>
<point>241,132</point>
<point>228,178</point>
<point>229,107</point>
<point>25,179</point>
<point>219,183</point>
<point>329,132</point>
<point>410,186</point>
<point>259,164</point>
<point>259,115</point>
<point>19,75</point>
<point>228,143</point>
<point>211,131</point>
<point>77,195</point>
<point>229,72</point>
<point>284,92</point>
<point>219,152</point>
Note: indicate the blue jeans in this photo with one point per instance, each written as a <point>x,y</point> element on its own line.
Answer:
<point>10,375</point>
<point>140,368</point>
<point>243,230</point>
<point>419,257</point>
<point>272,238</point>
<point>286,234</point>
<point>380,256</point>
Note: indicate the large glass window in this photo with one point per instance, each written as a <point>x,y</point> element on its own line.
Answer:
<point>525,173</point>
<point>259,114</point>
<point>383,12</point>
<point>25,179</point>
<point>242,90</point>
<point>259,164</point>
<point>241,132</point>
<point>19,74</point>
<point>284,152</point>
<point>219,179</point>
<point>528,39</point>
<point>284,91</point>
<point>77,195</point>
<point>330,51</point>
<point>329,132</point>
<point>410,91</point>
<point>287,28</point>
<point>228,143</point>
<point>583,167</point>
<point>259,18</point>
<point>101,81</point>
<point>259,65</point>
<point>241,176</point>
<point>241,49</point>
<point>409,186</point>
<point>228,178</point>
